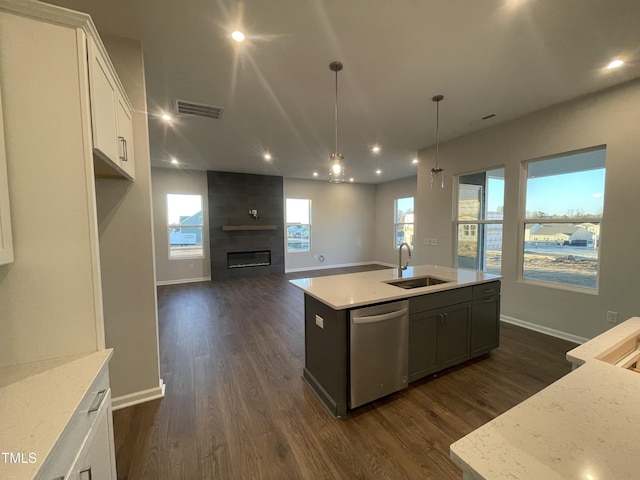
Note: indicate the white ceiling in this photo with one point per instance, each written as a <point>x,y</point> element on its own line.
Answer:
<point>502,57</point>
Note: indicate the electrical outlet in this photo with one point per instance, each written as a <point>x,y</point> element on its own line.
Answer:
<point>612,317</point>
<point>319,321</point>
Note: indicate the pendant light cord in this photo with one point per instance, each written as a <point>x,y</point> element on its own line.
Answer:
<point>336,112</point>
<point>437,133</point>
<point>437,99</point>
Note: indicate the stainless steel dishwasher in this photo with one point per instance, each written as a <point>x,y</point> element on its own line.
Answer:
<point>379,351</point>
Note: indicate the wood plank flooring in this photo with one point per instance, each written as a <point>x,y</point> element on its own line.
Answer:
<point>236,407</point>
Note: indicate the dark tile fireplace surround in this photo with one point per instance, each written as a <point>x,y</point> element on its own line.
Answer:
<point>242,245</point>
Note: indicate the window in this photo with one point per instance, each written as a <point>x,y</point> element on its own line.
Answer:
<point>479,221</point>
<point>564,199</point>
<point>184,226</point>
<point>298,216</point>
<point>403,221</point>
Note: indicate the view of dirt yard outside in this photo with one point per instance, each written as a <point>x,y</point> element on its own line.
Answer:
<point>565,264</point>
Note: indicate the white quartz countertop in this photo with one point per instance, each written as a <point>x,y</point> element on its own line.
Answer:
<point>37,400</point>
<point>605,343</point>
<point>365,288</point>
<point>585,426</point>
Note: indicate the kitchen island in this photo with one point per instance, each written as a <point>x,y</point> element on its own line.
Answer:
<point>451,321</point>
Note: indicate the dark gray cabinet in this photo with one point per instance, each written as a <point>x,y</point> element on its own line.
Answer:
<point>485,318</point>
<point>423,344</point>
<point>449,327</point>
<point>438,339</point>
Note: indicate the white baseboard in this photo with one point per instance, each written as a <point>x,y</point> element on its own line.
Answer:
<point>326,267</point>
<point>183,280</point>
<point>132,399</point>
<point>546,330</point>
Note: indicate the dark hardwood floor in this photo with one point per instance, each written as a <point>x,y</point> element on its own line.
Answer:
<point>236,407</point>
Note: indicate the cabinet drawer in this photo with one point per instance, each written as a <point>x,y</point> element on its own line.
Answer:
<point>70,442</point>
<point>439,299</point>
<point>486,289</point>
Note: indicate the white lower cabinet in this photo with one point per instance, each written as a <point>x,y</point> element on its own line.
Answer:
<point>95,461</point>
<point>85,450</point>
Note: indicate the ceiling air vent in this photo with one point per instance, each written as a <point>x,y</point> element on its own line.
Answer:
<point>199,109</point>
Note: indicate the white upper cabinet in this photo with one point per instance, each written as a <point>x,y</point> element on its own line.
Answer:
<point>111,118</point>
<point>125,135</point>
<point>103,107</point>
<point>6,243</point>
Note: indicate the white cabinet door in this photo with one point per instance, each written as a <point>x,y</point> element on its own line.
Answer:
<point>125,136</point>
<point>6,242</point>
<point>96,460</point>
<point>103,93</point>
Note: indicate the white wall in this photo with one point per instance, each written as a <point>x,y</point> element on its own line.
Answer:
<point>126,249</point>
<point>612,118</point>
<point>386,194</point>
<point>188,182</point>
<point>343,223</point>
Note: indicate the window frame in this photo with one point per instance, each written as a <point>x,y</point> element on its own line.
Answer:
<point>396,224</point>
<point>302,225</point>
<point>523,220</point>
<point>180,226</point>
<point>480,225</point>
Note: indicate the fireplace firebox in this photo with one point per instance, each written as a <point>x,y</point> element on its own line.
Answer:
<point>257,258</point>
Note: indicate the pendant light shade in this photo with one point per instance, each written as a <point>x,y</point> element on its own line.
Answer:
<point>336,168</point>
<point>436,172</point>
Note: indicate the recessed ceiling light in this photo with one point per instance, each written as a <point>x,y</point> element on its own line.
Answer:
<point>414,161</point>
<point>315,174</point>
<point>351,179</point>
<point>267,156</point>
<point>375,149</point>
<point>166,117</point>
<point>174,161</point>
<point>238,36</point>
<point>378,172</point>
<point>615,64</point>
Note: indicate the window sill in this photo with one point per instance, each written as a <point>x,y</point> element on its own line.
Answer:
<point>558,286</point>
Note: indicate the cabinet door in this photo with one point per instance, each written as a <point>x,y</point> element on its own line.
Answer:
<point>96,460</point>
<point>103,107</point>
<point>423,336</point>
<point>485,324</point>
<point>6,242</point>
<point>125,136</point>
<point>453,335</point>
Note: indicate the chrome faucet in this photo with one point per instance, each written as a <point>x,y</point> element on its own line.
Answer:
<point>400,266</point>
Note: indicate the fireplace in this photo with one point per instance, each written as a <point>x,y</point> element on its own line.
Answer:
<point>257,258</point>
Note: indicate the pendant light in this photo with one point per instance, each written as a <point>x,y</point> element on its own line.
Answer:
<point>436,172</point>
<point>336,169</point>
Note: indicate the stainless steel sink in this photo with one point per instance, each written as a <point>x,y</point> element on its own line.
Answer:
<point>418,282</point>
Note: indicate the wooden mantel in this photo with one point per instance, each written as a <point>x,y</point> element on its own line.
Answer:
<point>228,228</point>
